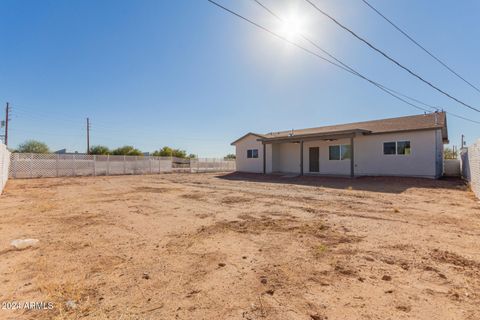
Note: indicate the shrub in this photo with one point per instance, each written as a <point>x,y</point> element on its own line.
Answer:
<point>169,152</point>
<point>103,150</point>
<point>33,146</point>
<point>127,151</point>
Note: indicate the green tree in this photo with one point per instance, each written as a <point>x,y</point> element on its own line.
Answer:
<point>449,153</point>
<point>179,153</point>
<point>103,150</point>
<point>164,152</point>
<point>192,156</point>
<point>33,146</point>
<point>170,152</point>
<point>230,156</point>
<point>127,151</point>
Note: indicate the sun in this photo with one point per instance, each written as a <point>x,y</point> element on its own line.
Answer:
<point>292,26</point>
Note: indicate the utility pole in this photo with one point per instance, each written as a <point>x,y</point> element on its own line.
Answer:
<point>7,119</point>
<point>463,142</point>
<point>88,136</point>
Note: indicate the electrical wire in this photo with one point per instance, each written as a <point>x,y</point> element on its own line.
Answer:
<point>419,45</point>
<point>313,53</point>
<point>353,71</point>
<point>390,58</point>
<point>323,58</point>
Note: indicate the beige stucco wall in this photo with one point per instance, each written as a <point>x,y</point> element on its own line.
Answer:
<point>332,167</point>
<point>286,157</point>
<point>370,160</point>
<point>427,147</point>
<point>244,164</point>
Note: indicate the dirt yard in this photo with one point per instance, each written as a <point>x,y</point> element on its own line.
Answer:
<point>212,246</point>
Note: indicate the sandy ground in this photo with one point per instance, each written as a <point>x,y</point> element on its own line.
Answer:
<point>212,246</point>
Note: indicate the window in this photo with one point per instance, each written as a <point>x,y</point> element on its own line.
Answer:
<point>403,147</point>
<point>334,153</point>
<point>252,153</point>
<point>340,152</point>
<point>397,148</point>
<point>346,151</point>
<point>389,147</point>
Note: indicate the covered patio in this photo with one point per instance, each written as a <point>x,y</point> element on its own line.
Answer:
<point>306,154</point>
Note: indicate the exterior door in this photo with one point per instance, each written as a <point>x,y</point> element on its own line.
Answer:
<point>314,159</point>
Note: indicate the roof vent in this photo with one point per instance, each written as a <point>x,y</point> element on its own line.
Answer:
<point>291,133</point>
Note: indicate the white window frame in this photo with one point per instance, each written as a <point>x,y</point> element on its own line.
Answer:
<point>340,147</point>
<point>252,152</point>
<point>396,148</point>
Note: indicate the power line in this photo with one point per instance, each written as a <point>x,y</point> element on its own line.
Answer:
<point>350,69</point>
<point>390,58</point>
<point>7,120</point>
<point>381,87</point>
<point>346,68</point>
<point>420,46</point>
<point>88,135</point>
<point>353,71</point>
<point>461,117</point>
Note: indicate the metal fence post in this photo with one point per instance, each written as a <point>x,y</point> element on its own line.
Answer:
<point>94,165</point>
<point>150,163</point>
<point>56,165</point>
<point>73,166</point>
<point>31,165</point>
<point>108,164</point>
<point>124,165</point>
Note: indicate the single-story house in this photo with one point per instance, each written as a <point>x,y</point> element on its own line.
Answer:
<point>405,146</point>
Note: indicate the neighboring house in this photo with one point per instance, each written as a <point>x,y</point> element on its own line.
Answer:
<point>405,146</point>
<point>64,151</point>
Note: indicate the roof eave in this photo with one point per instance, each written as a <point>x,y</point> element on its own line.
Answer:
<point>323,135</point>
<point>246,135</point>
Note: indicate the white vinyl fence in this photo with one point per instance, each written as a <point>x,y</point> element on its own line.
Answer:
<point>451,168</point>
<point>33,165</point>
<point>471,166</point>
<point>4,165</point>
<point>211,165</point>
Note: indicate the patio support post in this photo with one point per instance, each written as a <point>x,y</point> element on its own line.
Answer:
<point>264,158</point>
<point>301,158</point>
<point>352,158</point>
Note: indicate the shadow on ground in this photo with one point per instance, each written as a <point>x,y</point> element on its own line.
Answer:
<point>374,184</point>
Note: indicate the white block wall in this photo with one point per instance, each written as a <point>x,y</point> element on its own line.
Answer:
<point>471,166</point>
<point>4,165</point>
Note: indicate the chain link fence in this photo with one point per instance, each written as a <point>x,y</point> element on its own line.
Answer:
<point>33,165</point>
<point>4,165</point>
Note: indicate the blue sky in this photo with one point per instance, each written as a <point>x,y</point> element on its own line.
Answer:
<point>188,75</point>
